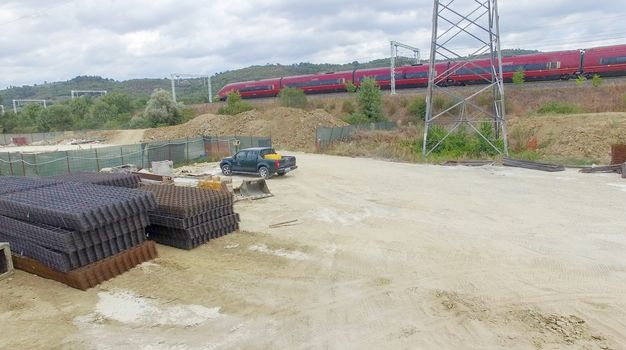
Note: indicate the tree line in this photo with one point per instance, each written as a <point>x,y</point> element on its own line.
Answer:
<point>111,111</point>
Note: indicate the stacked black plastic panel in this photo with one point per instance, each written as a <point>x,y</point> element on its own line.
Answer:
<point>105,179</point>
<point>12,184</point>
<point>188,217</point>
<point>66,226</point>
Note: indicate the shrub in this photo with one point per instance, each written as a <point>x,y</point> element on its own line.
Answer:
<point>518,77</point>
<point>403,102</point>
<point>139,122</point>
<point>580,80</point>
<point>350,87</point>
<point>417,107</point>
<point>292,97</point>
<point>596,80</point>
<point>349,108</point>
<point>464,143</point>
<point>357,118</point>
<point>370,101</point>
<point>556,107</point>
<point>161,109</point>
<point>234,105</point>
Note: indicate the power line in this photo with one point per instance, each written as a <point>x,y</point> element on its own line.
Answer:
<point>577,21</point>
<point>36,14</point>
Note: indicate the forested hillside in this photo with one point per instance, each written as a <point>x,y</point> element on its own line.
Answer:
<point>127,102</point>
<point>189,90</point>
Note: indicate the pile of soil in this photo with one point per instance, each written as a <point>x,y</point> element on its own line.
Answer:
<point>290,128</point>
<point>574,137</point>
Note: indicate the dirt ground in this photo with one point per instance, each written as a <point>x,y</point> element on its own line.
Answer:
<point>383,256</point>
<point>576,136</point>
<point>108,137</point>
<point>290,128</point>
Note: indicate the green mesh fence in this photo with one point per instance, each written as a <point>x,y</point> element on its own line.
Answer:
<point>327,136</point>
<point>141,155</point>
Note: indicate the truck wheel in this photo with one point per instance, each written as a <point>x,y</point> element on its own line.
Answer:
<point>226,170</point>
<point>264,172</point>
<point>281,173</point>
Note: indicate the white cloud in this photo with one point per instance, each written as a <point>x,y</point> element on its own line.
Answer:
<point>151,38</point>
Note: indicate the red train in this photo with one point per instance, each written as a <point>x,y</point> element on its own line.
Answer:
<point>604,61</point>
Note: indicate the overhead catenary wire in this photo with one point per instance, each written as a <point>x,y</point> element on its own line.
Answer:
<point>36,14</point>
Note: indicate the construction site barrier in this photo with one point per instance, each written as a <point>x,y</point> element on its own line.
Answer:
<point>142,155</point>
<point>327,136</point>
<point>42,137</point>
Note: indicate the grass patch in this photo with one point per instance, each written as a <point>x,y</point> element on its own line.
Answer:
<point>557,107</point>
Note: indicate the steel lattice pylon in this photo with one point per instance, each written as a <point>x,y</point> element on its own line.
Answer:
<point>459,27</point>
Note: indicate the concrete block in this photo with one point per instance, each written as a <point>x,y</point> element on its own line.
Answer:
<point>6,264</point>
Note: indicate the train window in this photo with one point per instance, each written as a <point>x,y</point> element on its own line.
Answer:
<point>416,75</point>
<point>384,77</point>
<point>513,68</point>
<point>554,65</point>
<point>256,88</point>
<point>613,60</point>
<point>535,66</point>
<point>469,71</point>
<point>315,83</point>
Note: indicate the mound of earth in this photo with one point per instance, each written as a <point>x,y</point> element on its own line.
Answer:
<point>290,128</point>
<point>574,137</point>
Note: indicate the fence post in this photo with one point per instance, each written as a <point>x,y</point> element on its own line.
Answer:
<point>148,157</point>
<point>10,163</point>
<point>97,160</point>
<point>122,154</point>
<point>331,135</point>
<point>67,158</point>
<point>187,150</point>
<point>23,164</point>
<point>32,139</point>
<point>169,150</point>
<point>317,140</point>
<point>143,155</point>
<point>36,167</point>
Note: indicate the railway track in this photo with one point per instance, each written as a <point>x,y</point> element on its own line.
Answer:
<point>407,92</point>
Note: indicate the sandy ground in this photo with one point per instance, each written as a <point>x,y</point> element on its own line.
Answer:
<point>113,138</point>
<point>383,256</point>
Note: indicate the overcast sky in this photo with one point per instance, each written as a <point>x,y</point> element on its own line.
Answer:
<point>44,40</point>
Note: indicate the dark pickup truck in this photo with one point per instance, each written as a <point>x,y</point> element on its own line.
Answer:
<point>252,160</point>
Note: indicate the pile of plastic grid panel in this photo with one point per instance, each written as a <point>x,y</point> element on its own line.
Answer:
<point>70,226</point>
<point>12,184</point>
<point>128,180</point>
<point>187,217</point>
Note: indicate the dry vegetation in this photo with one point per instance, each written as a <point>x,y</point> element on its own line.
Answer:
<point>571,124</point>
<point>290,128</point>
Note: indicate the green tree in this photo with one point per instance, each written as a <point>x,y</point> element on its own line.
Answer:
<point>161,109</point>
<point>32,119</point>
<point>596,80</point>
<point>99,114</point>
<point>370,101</point>
<point>234,105</point>
<point>519,77</point>
<point>8,121</point>
<point>417,107</point>
<point>59,117</point>
<point>350,87</point>
<point>122,102</point>
<point>292,97</point>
